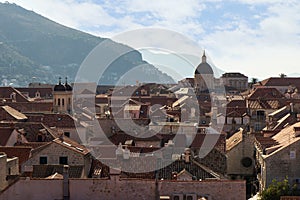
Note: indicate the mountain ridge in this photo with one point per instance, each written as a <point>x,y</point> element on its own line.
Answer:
<point>34,48</point>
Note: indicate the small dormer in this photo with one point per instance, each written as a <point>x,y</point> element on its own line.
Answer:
<point>187,155</point>
<point>13,97</point>
<point>37,94</point>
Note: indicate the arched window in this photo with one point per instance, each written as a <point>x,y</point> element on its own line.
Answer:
<point>58,103</point>
<point>37,94</point>
<point>63,102</point>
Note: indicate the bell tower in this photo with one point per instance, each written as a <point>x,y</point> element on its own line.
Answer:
<point>62,97</point>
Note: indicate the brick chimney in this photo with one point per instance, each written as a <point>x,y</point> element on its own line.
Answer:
<point>66,194</point>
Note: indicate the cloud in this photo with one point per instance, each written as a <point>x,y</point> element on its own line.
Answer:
<point>267,50</point>
<point>250,36</point>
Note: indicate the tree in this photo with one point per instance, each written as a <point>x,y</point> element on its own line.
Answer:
<point>253,81</point>
<point>278,189</point>
<point>282,75</point>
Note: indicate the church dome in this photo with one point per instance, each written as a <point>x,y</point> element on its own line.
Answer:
<point>204,67</point>
<point>59,86</point>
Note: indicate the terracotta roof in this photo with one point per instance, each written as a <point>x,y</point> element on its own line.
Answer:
<point>31,130</point>
<point>193,167</point>
<point>277,81</point>
<point>5,93</point>
<point>184,171</point>
<point>44,171</point>
<point>72,145</point>
<point>265,93</point>
<point>98,169</point>
<point>123,137</point>
<point>31,107</point>
<point>39,148</point>
<point>5,134</point>
<point>53,119</point>
<point>236,112</point>
<point>13,113</point>
<point>45,92</point>
<point>23,153</point>
<point>283,139</point>
<point>234,140</point>
<point>218,138</point>
<point>134,164</point>
<point>264,104</point>
<point>264,142</point>
<point>32,145</point>
<point>240,103</point>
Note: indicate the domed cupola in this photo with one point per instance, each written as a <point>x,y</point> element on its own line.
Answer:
<point>204,67</point>
<point>59,86</point>
<point>67,86</point>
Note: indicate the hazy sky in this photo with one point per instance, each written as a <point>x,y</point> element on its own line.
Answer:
<point>260,38</point>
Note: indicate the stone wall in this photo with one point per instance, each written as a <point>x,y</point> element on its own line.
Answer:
<point>34,190</point>
<point>3,182</point>
<point>123,189</point>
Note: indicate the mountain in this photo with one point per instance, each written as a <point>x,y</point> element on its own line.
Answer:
<point>36,49</point>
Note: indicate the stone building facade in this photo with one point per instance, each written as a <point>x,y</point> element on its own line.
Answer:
<point>240,159</point>
<point>235,81</point>
<point>277,157</point>
<point>60,152</point>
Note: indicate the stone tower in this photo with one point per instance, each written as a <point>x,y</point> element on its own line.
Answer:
<point>62,97</point>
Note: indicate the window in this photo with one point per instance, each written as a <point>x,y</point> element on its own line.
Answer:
<point>63,102</point>
<point>292,154</point>
<point>246,162</point>
<point>63,160</point>
<point>58,102</point>
<point>40,138</point>
<point>177,197</point>
<point>67,134</point>
<point>260,115</point>
<point>43,160</point>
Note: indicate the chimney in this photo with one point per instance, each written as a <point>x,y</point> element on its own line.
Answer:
<point>187,155</point>
<point>119,151</point>
<point>297,131</point>
<point>66,195</point>
<point>292,107</point>
<point>126,153</point>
